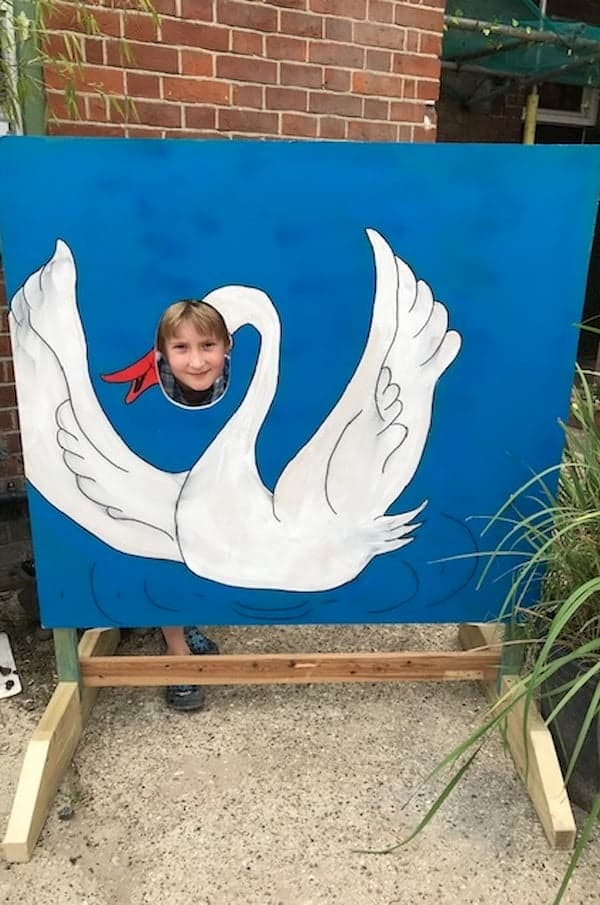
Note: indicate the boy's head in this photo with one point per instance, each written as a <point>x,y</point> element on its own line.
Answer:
<point>193,338</point>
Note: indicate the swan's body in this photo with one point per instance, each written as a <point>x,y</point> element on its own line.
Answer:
<point>325,519</point>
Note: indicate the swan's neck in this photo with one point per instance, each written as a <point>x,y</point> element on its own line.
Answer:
<point>241,305</point>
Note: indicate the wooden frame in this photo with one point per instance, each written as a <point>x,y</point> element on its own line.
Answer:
<point>83,668</point>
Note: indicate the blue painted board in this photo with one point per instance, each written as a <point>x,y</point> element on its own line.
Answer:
<point>502,236</point>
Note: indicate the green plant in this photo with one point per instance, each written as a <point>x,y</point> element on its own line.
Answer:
<point>552,540</point>
<point>34,38</point>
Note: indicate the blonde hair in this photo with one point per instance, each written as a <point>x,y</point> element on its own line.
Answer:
<point>201,315</point>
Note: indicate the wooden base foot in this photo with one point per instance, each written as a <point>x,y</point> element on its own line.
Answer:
<point>532,750</point>
<point>50,751</point>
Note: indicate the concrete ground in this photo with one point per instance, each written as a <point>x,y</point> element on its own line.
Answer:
<point>268,796</point>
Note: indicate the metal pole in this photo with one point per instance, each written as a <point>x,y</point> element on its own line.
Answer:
<point>533,99</point>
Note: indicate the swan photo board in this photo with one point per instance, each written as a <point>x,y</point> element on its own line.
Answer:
<point>403,339</point>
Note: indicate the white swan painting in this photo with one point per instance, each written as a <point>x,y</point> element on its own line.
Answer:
<point>325,519</point>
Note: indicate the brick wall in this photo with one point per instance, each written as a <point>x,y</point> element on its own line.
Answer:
<point>498,121</point>
<point>330,69</point>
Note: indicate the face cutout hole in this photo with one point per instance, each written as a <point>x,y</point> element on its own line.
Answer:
<point>193,348</point>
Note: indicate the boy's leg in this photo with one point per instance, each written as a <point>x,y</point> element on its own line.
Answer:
<point>175,640</point>
<point>182,641</point>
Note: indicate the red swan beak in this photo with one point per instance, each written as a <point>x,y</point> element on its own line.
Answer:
<point>142,375</point>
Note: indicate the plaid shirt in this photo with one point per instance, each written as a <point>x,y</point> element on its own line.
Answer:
<point>175,391</point>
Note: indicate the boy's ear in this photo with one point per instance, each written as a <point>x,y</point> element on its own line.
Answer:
<point>230,342</point>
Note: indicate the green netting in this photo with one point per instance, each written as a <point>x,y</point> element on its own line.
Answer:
<point>557,63</point>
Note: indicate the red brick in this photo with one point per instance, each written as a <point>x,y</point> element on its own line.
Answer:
<point>197,9</point>
<point>411,43</point>
<point>410,88</point>
<point>200,90</point>
<point>94,51</point>
<point>338,30</point>
<point>286,99</point>
<point>376,109</point>
<point>140,27</point>
<point>90,77</point>
<point>430,43</point>
<point>428,90</point>
<point>303,75</point>
<point>419,134</point>
<point>188,133</point>
<point>142,84</point>
<point>381,11</point>
<point>248,96</point>
<point>302,24</point>
<point>332,128</point>
<point>97,109</point>
<point>153,57</point>
<point>241,69</point>
<point>86,129</point>
<point>62,17</point>
<point>141,132</point>
<point>165,7</point>
<point>426,67</point>
<point>249,42</point>
<point>248,121</point>
<point>194,34</point>
<point>247,15</point>
<point>336,80</point>
<point>7,419</point>
<point>418,17</point>
<point>58,108</point>
<point>379,60</point>
<point>352,9</point>
<point>362,130</point>
<point>380,85</point>
<point>379,35</point>
<point>11,442</point>
<point>407,112</point>
<point>280,47</point>
<point>335,104</point>
<point>197,62</point>
<point>296,124</point>
<point>5,346</point>
<point>158,114</point>
<point>292,4</point>
<point>328,53</point>
<point>8,397</point>
<point>108,21</point>
<point>110,81</point>
<point>200,117</point>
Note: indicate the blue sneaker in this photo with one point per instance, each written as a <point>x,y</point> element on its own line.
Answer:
<point>199,643</point>
<point>185,697</point>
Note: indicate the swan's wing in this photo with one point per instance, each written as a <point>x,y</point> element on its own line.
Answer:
<point>369,447</point>
<point>73,455</point>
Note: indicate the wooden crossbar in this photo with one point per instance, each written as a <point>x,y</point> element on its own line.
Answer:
<point>262,669</point>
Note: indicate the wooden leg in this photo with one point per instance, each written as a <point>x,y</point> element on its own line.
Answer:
<point>52,746</point>
<point>532,748</point>
<point>65,651</point>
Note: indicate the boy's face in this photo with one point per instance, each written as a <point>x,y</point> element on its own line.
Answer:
<point>196,359</point>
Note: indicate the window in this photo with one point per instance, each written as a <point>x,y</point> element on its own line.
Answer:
<point>568,105</point>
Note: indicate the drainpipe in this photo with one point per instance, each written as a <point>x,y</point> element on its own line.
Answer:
<point>533,98</point>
